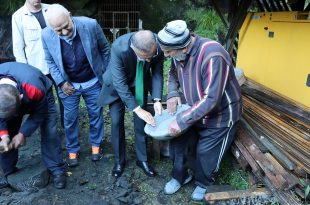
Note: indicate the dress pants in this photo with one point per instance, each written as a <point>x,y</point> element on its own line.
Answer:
<point>117,112</point>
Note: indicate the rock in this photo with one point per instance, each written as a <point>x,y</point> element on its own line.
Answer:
<point>162,198</point>
<point>121,193</point>
<point>31,177</point>
<point>137,200</point>
<point>83,181</point>
<point>123,199</point>
<point>114,202</point>
<point>122,182</point>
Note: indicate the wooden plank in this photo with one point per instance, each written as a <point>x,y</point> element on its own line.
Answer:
<point>278,154</point>
<point>221,196</point>
<point>277,179</point>
<point>247,156</point>
<point>291,150</point>
<point>276,101</point>
<point>292,181</point>
<point>274,133</point>
<point>271,148</point>
<point>240,158</point>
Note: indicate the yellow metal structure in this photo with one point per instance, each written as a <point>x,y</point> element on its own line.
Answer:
<point>274,50</point>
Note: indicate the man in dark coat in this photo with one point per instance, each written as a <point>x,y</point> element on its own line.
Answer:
<point>132,53</point>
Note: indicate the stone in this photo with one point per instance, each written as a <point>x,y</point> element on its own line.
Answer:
<point>160,131</point>
<point>31,177</point>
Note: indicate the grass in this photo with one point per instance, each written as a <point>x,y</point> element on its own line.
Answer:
<point>227,175</point>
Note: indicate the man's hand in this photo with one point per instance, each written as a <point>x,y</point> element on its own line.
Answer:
<point>67,88</point>
<point>158,108</point>
<point>172,104</point>
<point>18,141</point>
<point>174,129</point>
<point>146,116</point>
<point>5,144</point>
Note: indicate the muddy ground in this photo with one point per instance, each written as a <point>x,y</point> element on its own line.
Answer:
<point>91,182</point>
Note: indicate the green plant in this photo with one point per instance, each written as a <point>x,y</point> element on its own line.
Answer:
<point>205,23</point>
<point>233,177</point>
<point>167,64</point>
<point>8,7</point>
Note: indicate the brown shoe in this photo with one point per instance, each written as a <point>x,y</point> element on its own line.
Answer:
<point>96,153</point>
<point>72,160</point>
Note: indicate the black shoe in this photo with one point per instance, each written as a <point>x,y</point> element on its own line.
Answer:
<point>147,169</point>
<point>96,157</point>
<point>72,161</point>
<point>96,153</point>
<point>59,181</point>
<point>117,170</point>
<point>3,183</point>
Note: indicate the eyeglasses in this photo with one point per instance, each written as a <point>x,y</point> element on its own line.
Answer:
<point>143,58</point>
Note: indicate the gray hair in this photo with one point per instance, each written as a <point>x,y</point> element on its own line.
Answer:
<point>9,100</point>
<point>144,40</point>
<point>56,10</point>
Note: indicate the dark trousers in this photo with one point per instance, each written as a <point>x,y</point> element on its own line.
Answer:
<point>211,145</point>
<point>117,112</point>
<point>50,142</point>
<point>61,107</point>
<point>179,154</point>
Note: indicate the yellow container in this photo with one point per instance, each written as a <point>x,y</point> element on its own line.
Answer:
<point>274,50</point>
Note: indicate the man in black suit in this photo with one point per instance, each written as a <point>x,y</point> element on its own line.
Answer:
<point>122,81</point>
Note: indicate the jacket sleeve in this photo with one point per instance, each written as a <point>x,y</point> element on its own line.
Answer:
<point>3,128</point>
<point>157,77</point>
<point>103,45</point>
<point>214,77</point>
<point>120,79</point>
<point>38,114</point>
<point>52,66</point>
<point>18,40</point>
<point>173,82</point>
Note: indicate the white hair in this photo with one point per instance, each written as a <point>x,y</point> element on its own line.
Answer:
<point>56,10</point>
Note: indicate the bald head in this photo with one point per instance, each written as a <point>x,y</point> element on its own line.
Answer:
<point>59,19</point>
<point>145,41</point>
<point>56,11</point>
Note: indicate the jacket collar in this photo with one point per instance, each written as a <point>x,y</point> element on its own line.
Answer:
<point>26,11</point>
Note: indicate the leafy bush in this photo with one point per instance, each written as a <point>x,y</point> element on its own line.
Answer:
<point>205,23</point>
<point>8,7</point>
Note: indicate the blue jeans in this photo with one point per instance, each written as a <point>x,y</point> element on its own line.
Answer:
<point>71,124</point>
<point>50,141</point>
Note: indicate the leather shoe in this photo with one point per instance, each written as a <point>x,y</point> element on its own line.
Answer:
<point>59,181</point>
<point>147,169</point>
<point>117,170</point>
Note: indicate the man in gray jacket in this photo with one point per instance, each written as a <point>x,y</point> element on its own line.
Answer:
<point>77,54</point>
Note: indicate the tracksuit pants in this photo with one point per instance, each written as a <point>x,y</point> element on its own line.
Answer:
<point>210,145</point>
